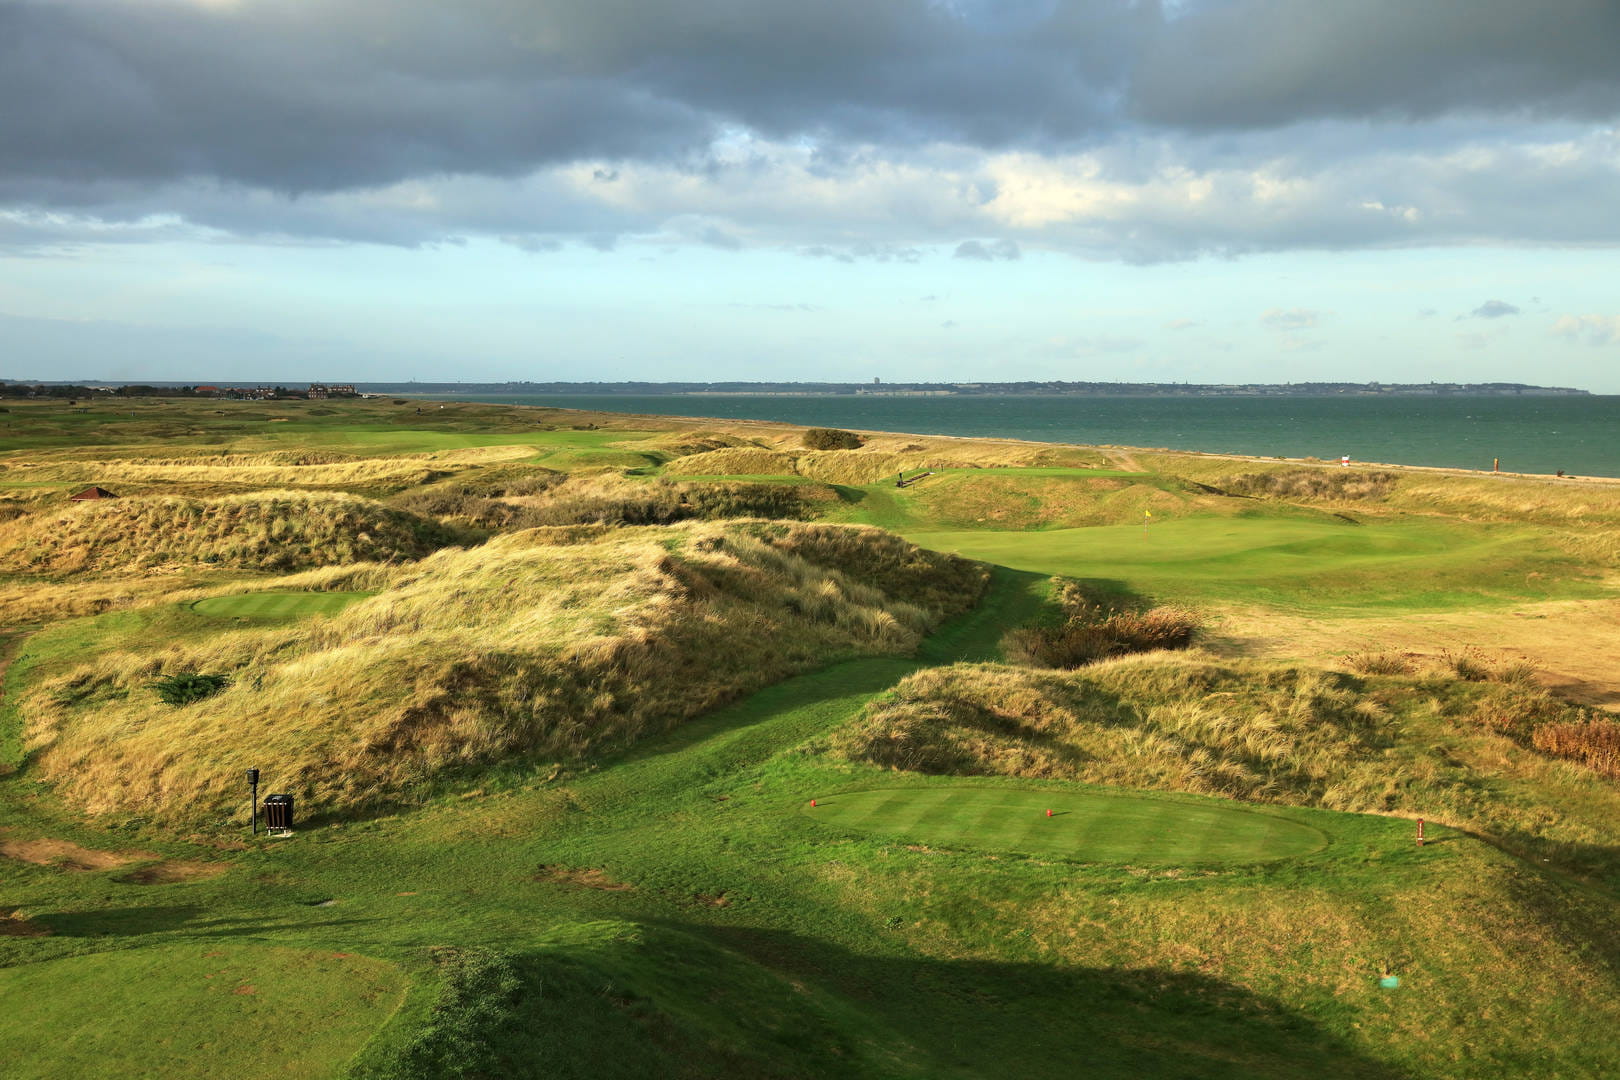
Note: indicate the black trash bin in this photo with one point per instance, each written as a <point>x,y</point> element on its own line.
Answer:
<point>278,813</point>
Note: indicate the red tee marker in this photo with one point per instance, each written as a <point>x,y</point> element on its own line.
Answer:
<point>1049,813</point>
<point>812,802</point>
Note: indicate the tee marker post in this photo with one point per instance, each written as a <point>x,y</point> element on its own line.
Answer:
<point>1420,832</point>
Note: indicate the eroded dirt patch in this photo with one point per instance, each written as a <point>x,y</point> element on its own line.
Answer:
<point>16,924</point>
<point>68,855</point>
<point>586,877</point>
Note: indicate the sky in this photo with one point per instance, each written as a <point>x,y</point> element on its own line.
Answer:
<point>939,190</point>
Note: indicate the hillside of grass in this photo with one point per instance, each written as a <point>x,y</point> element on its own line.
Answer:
<point>1421,743</point>
<point>536,645</point>
<point>270,530</point>
<point>630,787</point>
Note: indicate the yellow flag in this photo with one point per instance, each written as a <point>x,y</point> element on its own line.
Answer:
<point>1147,513</point>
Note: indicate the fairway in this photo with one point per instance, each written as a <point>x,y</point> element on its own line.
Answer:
<point>207,1010</point>
<point>277,605</point>
<point>1406,564</point>
<point>1090,826</point>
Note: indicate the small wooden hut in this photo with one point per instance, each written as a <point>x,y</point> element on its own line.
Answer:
<point>91,493</point>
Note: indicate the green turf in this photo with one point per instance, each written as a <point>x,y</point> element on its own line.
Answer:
<point>1086,824</point>
<point>194,1010</point>
<point>277,605</point>
<point>675,911</point>
<point>1410,563</point>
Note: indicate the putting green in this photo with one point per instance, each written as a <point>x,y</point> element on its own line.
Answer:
<point>277,605</point>
<point>1092,826</point>
<point>204,1010</point>
<point>1405,564</point>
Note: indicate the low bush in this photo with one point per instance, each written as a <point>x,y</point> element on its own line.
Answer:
<point>1379,663</point>
<point>1594,743</point>
<point>820,438</point>
<point>1096,627</point>
<point>186,688</point>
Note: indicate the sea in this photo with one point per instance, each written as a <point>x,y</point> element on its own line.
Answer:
<point>1529,434</point>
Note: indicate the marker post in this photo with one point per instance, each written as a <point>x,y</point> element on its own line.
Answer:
<point>253,782</point>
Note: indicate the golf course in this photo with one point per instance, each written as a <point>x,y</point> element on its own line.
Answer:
<point>627,746</point>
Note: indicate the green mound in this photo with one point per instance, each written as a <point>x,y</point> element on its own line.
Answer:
<point>277,605</point>
<point>183,1011</point>
<point>1090,826</point>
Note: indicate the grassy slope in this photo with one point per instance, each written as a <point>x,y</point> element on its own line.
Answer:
<point>179,1012</point>
<point>524,647</point>
<point>748,941</point>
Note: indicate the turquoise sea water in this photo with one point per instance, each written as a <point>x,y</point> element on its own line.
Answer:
<point>1580,435</point>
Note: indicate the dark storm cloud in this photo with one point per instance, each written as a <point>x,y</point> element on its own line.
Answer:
<point>1249,63</point>
<point>125,111</point>
<point>297,97</point>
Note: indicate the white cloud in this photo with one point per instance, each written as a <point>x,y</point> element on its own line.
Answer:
<point>1292,319</point>
<point>1593,330</point>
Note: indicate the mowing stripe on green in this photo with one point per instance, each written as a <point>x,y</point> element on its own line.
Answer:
<point>1087,824</point>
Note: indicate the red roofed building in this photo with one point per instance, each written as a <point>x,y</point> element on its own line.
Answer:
<point>91,493</point>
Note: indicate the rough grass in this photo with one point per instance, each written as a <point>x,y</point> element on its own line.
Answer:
<point>273,469</point>
<point>273,530</point>
<point>522,647</point>
<point>1244,730</point>
<point>739,461</point>
<point>1331,485</point>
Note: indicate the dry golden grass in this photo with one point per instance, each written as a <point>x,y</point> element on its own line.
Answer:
<point>271,530</point>
<point>290,468</point>
<point>741,461</point>
<point>1595,743</point>
<point>525,646</point>
<point>1246,730</point>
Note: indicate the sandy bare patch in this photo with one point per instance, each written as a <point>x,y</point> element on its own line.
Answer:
<point>587,878</point>
<point>66,854</point>
<point>1572,644</point>
<point>172,871</point>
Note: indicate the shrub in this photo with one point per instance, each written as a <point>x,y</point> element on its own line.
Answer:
<point>1594,743</point>
<point>1087,638</point>
<point>186,688</point>
<point>1098,625</point>
<point>1371,663</point>
<point>821,438</point>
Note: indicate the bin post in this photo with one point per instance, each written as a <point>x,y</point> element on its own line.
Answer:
<point>253,782</point>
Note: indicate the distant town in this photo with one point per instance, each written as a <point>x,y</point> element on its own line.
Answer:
<point>320,391</point>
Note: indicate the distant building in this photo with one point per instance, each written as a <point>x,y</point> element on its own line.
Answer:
<point>91,494</point>
<point>320,391</point>
<point>207,391</point>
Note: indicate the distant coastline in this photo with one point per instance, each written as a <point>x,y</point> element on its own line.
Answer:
<point>877,388</point>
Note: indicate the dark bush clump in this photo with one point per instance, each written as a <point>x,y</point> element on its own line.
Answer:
<point>820,438</point>
<point>1097,626</point>
<point>186,688</point>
